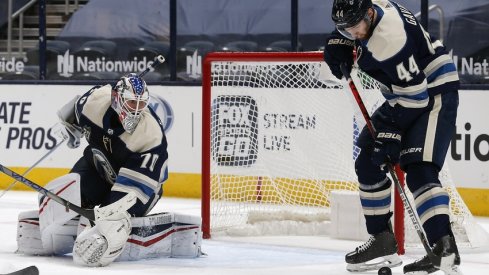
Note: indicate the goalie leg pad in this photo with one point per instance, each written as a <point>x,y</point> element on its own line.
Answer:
<point>29,241</point>
<point>164,235</point>
<point>58,226</point>
<point>28,234</point>
<point>102,244</point>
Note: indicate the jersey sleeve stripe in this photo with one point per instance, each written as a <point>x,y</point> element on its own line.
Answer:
<point>437,63</point>
<point>441,72</point>
<point>436,44</point>
<point>136,176</point>
<point>445,78</point>
<point>127,189</point>
<point>129,182</point>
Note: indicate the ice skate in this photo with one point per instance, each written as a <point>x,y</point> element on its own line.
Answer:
<point>380,250</point>
<point>446,249</point>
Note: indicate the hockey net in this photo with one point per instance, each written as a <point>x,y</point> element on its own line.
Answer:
<point>278,138</point>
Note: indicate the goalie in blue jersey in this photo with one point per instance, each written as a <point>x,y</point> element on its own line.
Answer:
<point>414,126</point>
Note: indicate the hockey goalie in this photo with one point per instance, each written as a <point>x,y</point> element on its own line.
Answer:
<point>120,174</point>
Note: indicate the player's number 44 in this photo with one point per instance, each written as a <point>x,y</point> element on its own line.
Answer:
<point>403,73</point>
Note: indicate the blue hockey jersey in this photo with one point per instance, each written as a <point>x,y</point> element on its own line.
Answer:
<point>404,57</point>
<point>136,162</point>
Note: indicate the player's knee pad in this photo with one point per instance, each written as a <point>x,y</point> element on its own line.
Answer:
<point>101,244</point>
<point>164,235</point>
<point>56,240</point>
<point>369,175</point>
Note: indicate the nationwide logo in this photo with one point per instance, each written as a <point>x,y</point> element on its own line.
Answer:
<point>68,64</point>
<point>11,65</point>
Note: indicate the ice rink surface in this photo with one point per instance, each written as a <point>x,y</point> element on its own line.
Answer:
<point>245,255</point>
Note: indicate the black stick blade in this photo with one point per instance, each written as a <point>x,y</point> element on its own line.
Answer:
<point>30,270</point>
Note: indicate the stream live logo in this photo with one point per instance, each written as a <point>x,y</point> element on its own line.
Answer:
<point>234,130</point>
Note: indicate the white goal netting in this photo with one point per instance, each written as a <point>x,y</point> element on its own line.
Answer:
<point>282,138</point>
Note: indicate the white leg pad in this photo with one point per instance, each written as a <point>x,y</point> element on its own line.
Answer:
<point>28,234</point>
<point>57,225</point>
<point>58,240</point>
<point>163,235</point>
<point>187,239</point>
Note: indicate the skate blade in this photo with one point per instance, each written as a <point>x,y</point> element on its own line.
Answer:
<point>389,261</point>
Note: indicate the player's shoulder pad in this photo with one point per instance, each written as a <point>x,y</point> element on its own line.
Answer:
<point>148,134</point>
<point>389,36</point>
<point>94,100</point>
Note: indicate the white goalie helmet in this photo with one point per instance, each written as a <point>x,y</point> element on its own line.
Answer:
<point>130,97</point>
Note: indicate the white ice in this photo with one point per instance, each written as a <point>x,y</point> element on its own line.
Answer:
<point>234,256</point>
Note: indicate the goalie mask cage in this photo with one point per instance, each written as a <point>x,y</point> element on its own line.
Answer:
<point>278,136</point>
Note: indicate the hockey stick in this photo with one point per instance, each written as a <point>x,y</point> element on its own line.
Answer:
<point>156,62</point>
<point>32,167</point>
<point>87,213</point>
<point>436,261</point>
<point>92,214</point>
<point>30,270</point>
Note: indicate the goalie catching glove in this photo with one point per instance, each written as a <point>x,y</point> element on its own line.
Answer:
<point>102,244</point>
<point>387,147</point>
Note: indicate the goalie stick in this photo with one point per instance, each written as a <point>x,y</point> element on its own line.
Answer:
<point>91,214</point>
<point>87,213</point>
<point>156,62</point>
<point>30,270</point>
<point>407,205</point>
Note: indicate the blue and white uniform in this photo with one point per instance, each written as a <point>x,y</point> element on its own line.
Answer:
<point>116,162</point>
<point>421,104</point>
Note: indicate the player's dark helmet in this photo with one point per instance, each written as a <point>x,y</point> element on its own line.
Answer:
<point>348,13</point>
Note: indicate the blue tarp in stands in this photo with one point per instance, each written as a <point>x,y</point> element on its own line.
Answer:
<point>147,20</point>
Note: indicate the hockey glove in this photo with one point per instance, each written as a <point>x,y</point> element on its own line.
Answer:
<point>387,147</point>
<point>69,132</point>
<point>338,50</point>
<point>69,129</point>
